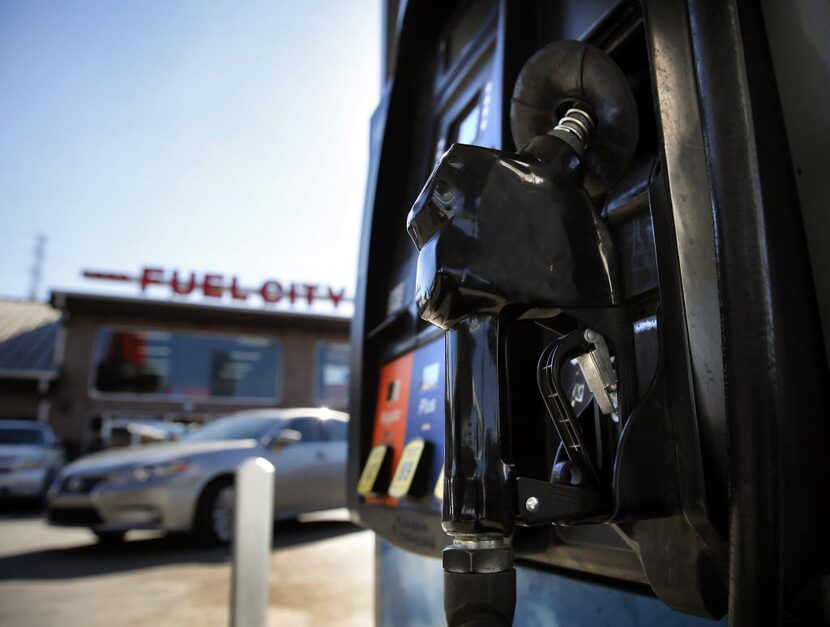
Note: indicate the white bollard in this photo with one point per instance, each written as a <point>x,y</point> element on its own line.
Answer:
<point>253,533</point>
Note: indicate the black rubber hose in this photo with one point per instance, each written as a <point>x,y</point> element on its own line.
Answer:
<point>480,599</point>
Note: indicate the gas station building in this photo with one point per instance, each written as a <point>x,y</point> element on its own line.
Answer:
<point>95,366</point>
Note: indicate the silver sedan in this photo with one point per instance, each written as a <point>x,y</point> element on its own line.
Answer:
<point>188,485</point>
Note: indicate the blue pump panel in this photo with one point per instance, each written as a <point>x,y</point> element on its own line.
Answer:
<point>408,592</point>
<point>425,418</point>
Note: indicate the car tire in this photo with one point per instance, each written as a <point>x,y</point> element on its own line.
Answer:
<point>110,538</point>
<point>214,513</point>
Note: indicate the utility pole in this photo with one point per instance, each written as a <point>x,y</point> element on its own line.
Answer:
<point>36,271</point>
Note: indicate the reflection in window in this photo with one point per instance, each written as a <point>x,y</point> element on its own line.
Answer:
<point>20,436</point>
<point>173,364</point>
<point>332,375</point>
<point>336,430</point>
<point>236,427</point>
<point>310,429</point>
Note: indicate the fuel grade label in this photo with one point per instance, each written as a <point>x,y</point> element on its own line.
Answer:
<point>368,483</point>
<point>407,468</point>
<point>391,414</point>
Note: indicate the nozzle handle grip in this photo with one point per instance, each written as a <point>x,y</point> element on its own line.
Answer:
<point>477,497</point>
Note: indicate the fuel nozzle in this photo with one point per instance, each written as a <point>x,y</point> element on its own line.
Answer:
<point>502,236</point>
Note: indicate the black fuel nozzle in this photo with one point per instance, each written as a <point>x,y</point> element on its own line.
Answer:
<point>498,235</point>
<point>501,235</point>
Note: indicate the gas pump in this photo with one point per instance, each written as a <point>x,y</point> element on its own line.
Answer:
<point>556,375</point>
<point>507,237</point>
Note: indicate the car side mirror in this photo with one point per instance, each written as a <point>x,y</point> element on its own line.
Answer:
<point>286,437</point>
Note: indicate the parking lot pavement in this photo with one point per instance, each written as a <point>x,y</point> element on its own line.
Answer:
<point>321,574</point>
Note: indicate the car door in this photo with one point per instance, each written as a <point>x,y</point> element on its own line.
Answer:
<point>300,483</point>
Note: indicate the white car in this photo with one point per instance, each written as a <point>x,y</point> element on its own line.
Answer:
<point>30,458</point>
<point>187,485</point>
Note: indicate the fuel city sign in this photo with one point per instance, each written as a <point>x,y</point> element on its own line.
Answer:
<point>221,286</point>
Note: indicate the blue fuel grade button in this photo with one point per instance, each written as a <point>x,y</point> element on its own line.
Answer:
<point>425,419</point>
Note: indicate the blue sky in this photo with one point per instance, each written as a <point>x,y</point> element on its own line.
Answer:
<point>225,137</point>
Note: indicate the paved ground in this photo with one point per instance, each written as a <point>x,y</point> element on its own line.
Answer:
<point>321,574</point>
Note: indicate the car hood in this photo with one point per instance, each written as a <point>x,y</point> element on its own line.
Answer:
<point>22,450</point>
<point>152,454</point>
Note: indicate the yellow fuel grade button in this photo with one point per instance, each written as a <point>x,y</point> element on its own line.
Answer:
<point>405,481</point>
<point>438,491</point>
<point>371,479</point>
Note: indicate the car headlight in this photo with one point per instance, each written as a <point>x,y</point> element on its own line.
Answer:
<point>142,474</point>
<point>29,463</point>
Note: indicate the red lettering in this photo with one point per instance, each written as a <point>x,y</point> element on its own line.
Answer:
<point>212,286</point>
<point>237,293</point>
<point>336,297</point>
<point>271,291</point>
<point>309,292</point>
<point>151,276</point>
<point>178,288</point>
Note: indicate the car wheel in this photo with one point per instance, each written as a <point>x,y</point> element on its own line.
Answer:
<point>110,537</point>
<point>214,515</point>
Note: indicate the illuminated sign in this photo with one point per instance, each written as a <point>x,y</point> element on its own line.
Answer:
<point>219,286</point>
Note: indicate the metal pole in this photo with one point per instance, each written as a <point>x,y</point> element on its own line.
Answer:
<point>253,532</point>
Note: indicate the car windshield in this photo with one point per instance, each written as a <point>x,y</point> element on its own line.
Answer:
<point>20,436</point>
<point>233,428</point>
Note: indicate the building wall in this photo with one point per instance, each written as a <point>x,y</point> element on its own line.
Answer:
<point>74,405</point>
<point>20,400</point>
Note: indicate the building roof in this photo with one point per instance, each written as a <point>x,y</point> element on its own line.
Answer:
<point>121,306</point>
<point>28,334</point>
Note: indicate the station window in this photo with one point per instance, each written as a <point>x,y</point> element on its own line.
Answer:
<point>332,375</point>
<point>187,365</point>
